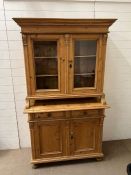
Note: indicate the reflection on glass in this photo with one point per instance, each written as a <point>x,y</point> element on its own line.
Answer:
<point>84,63</point>
<point>46,65</point>
<point>47,82</point>
<point>45,48</point>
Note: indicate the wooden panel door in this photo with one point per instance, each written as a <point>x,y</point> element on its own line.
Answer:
<point>85,62</point>
<point>51,139</point>
<point>46,62</point>
<point>85,136</point>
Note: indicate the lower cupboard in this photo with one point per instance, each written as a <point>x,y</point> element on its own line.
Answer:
<point>57,136</point>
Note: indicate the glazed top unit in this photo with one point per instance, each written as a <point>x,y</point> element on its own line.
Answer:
<point>64,58</point>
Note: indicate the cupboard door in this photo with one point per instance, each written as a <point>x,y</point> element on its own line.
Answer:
<point>84,64</point>
<point>51,139</point>
<point>85,136</point>
<point>47,64</point>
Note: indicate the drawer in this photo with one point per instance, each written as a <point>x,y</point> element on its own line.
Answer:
<point>50,115</point>
<point>85,113</point>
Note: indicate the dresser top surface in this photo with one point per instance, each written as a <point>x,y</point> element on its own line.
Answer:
<point>65,107</point>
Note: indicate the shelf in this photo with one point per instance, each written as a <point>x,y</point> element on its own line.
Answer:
<point>65,107</point>
<point>84,74</point>
<point>55,75</point>
<point>86,56</point>
<point>46,57</point>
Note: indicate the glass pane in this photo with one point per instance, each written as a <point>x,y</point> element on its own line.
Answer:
<point>46,65</point>
<point>47,82</point>
<point>45,48</point>
<point>84,63</point>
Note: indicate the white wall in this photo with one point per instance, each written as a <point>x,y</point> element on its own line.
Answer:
<point>13,123</point>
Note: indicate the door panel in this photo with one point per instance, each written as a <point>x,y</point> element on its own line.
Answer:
<point>84,68</point>
<point>47,53</point>
<point>85,136</point>
<point>51,139</point>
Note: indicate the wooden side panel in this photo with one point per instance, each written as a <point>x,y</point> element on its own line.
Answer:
<point>25,39</point>
<point>103,43</point>
<point>33,136</point>
<point>85,136</point>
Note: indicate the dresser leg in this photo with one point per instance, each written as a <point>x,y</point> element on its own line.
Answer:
<point>99,158</point>
<point>34,166</point>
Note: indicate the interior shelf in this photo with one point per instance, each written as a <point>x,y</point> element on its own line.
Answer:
<point>46,57</point>
<point>47,75</point>
<point>85,56</point>
<point>84,74</point>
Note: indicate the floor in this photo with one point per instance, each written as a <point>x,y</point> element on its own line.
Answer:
<point>117,156</point>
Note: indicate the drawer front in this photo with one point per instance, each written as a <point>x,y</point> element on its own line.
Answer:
<point>50,115</point>
<point>86,113</point>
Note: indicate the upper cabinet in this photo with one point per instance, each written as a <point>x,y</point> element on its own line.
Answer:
<point>64,57</point>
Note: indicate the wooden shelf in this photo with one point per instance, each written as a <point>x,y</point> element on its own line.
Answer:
<point>65,107</point>
<point>84,74</point>
<point>45,57</point>
<point>86,56</point>
<point>46,75</point>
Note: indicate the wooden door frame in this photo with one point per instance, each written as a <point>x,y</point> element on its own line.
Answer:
<point>61,62</point>
<point>99,62</point>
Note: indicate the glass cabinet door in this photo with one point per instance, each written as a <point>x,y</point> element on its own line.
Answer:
<point>47,65</point>
<point>84,59</point>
